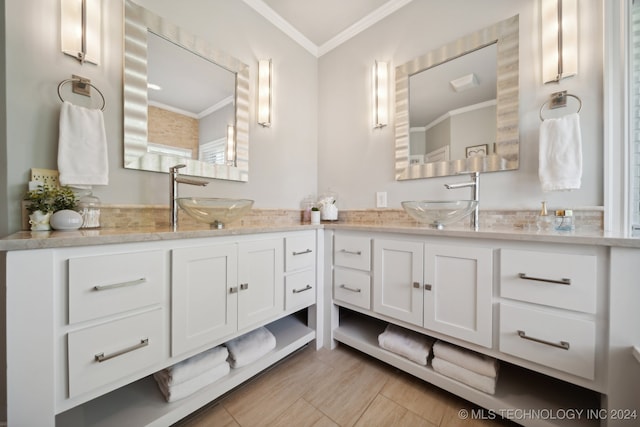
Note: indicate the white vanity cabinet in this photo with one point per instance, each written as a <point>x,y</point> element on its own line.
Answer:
<point>445,288</point>
<point>538,307</point>
<point>87,325</point>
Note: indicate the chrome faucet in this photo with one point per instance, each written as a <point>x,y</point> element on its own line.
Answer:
<point>474,184</point>
<point>173,191</point>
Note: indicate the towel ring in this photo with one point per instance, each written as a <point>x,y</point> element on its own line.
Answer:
<point>558,100</point>
<point>64,82</point>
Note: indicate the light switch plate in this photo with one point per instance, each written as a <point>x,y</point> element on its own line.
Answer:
<point>381,199</point>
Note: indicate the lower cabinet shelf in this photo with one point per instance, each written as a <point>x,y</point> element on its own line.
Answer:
<point>524,396</point>
<point>142,404</point>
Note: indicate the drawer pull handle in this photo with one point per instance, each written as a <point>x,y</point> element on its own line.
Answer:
<point>306,288</point>
<point>345,287</point>
<point>100,357</point>
<point>119,285</point>
<point>538,279</point>
<point>563,344</point>
<point>308,251</point>
<point>344,251</point>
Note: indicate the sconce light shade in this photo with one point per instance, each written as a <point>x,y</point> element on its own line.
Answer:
<point>559,39</point>
<point>264,92</point>
<point>80,29</point>
<point>380,94</point>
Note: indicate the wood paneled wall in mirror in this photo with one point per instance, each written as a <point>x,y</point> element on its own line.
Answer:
<point>184,101</point>
<point>457,106</point>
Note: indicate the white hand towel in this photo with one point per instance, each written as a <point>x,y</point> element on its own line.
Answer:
<point>187,388</point>
<point>194,366</point>
<point>476,362</point>
<point>412,345</point>
<point>82,147</point>
<point>250,347</point>
<point>465,376</point>
<point>560,157</point>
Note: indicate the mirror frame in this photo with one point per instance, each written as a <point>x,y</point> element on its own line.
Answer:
<point>506,156</point>
<point>137,22</point>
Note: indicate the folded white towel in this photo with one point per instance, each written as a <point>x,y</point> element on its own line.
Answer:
<point>412,345</point>
<point>465,376</point>
<point>82,147</point>
<point>194,366</point>
<point>560,157</point>
<point>476,362</point>
<point>175,392</point>
<point>250,347</point>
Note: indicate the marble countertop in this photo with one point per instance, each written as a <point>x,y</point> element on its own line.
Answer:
<point>86,237</point>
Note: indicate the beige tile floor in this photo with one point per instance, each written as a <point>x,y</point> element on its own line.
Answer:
<point>342,387</point>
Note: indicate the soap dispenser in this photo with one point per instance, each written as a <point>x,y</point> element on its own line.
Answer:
<point>545,220</point>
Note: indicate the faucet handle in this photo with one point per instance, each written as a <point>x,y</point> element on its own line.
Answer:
<point>176,167</point>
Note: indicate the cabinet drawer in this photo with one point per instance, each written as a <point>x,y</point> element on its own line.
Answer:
<point>300,290</point>
<point>353,287</point>
<point>554,279</point>
<point>300,251</point>
<point>352,252</point>
<point>127,345</point>
<point>109,284</point>
<point>559,342</point>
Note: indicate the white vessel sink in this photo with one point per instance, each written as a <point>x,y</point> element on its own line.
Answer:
<point>439,213</point>
<point>215,211</point>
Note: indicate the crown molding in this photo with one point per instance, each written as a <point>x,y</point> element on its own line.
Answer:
<point>377,15</point>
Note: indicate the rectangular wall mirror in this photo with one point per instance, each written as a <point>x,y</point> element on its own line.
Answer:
<point>457,106</point>
<point>184,101</point>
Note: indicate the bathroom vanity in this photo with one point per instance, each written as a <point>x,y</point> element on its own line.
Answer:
<point>92,314</point>
<point>555,309</point>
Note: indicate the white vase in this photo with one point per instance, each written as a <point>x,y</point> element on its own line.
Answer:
<point>40,221</point>
<point>66,219</point>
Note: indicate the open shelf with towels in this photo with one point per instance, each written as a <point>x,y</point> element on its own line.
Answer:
<point>527,397</point>
<point>142,404</point>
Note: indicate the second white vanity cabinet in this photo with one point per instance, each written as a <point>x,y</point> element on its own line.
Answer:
<point>538,307</point>
<point>445,288</point>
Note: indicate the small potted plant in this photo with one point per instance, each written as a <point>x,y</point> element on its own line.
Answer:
<point>315,215</point>
<point>40,207</point>
<point>64,202</point>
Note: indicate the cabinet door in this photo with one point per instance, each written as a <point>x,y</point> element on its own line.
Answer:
<point>261,281</point>
<point>397,279</point>
<point>458,292</point>
<point>204,295</point>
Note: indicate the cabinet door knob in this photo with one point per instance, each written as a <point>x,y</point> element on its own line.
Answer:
<point>416,285</point>
<point>244,286</point>
<point>427,287</point>
<point>233,290</point>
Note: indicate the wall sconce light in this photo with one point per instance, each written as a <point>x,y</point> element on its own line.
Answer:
<point>80,29</point>
<point>265,72</point>
<point>559,39</point>
<point>380,94</point>
<point>231,145</point>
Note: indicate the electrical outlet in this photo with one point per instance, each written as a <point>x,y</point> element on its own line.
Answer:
<point>381,199</point>
<point>45,176</point>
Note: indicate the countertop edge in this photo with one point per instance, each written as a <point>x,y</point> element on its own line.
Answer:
<point>28,240</point>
